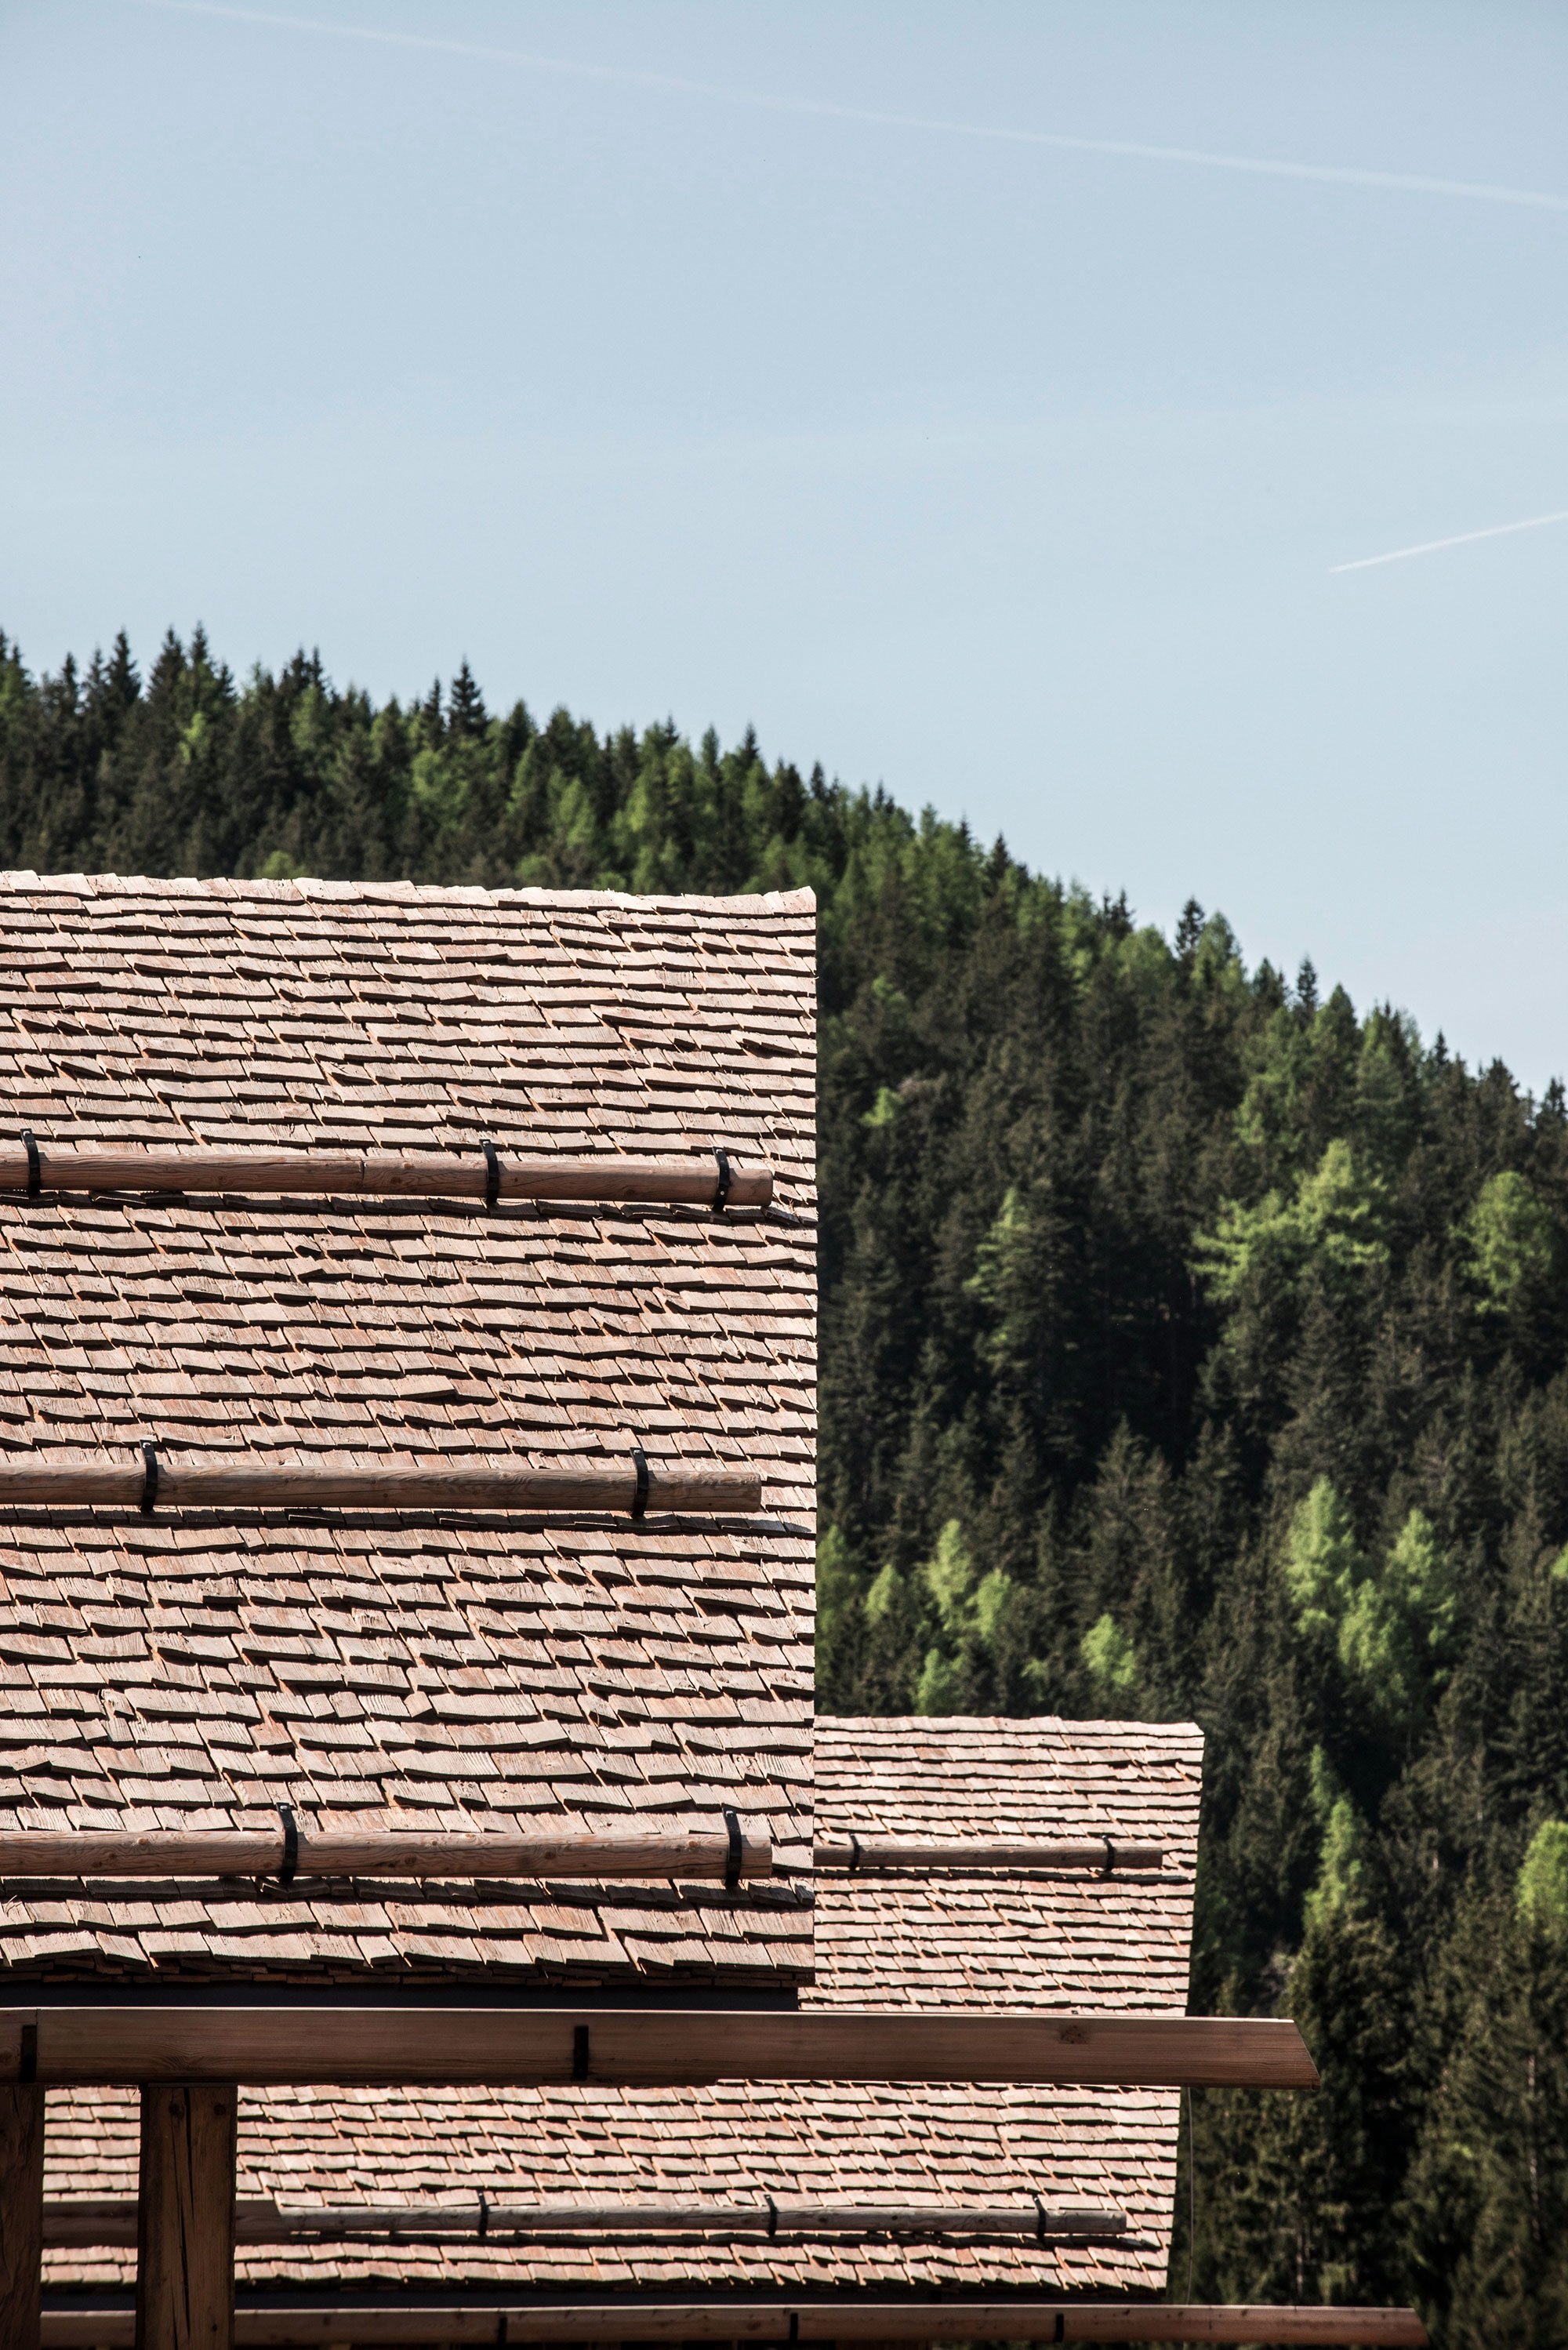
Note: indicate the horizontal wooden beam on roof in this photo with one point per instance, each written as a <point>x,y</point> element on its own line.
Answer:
<point>659,1854</point>
<point>874,1855</point>
<point>676,1491</point>
<point>642,2047</point>
<point>298,2324</point>
<point>714,1181</point>
<point>261,2219</point>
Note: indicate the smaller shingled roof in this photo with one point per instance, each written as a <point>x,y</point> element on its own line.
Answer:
<point>984,1939</point>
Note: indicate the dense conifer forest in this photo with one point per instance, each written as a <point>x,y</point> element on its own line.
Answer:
<point>1193,1345</point>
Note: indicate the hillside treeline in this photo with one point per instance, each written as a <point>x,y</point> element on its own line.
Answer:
<point>1192,1345</point>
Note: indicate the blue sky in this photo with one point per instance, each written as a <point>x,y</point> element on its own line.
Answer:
<point>671,377</point>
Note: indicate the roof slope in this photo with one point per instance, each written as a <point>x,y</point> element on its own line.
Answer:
<point>977,1938</point>
<point>385,1670</point>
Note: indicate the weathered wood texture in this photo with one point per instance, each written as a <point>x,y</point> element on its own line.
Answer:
<point>118,1485</point>
<point>21,2214</point>
<point>1103,1856</point>
<point>260,2220</point>
<point>312,2326</point>
<point>185,2235</point>
<point>34,1853</point>
<point>385,1174</point>
<point>649,2047</point>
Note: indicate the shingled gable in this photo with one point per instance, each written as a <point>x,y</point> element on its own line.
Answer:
<point>378,1670</point>
<point>982,1937</point>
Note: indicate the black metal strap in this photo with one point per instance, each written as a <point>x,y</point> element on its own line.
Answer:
<point>794,2326</point>
<point>501,2329</point>
<point>579,2051</point>
<point>34,1164</point>
<point>290,1861</point>
<point>639,1499</point>
<point>773,2213</point>
<point>1060,2333</point>
<point>854,1852</point>
<point>483,2215</point>
<point>726,1177</point>
<point>1110,1856</point>
<point>736,1853</point>
<point>148,1479</point>
<point>491,1174</point>
<point>27,2062</point>
<point>1040,2217</point>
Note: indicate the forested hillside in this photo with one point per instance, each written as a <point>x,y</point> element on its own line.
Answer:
<point>1193,1345</point>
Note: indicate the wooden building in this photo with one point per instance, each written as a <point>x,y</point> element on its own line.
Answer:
<point>726,2137</point>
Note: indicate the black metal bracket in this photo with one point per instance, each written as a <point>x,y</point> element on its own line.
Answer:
<point>854,1852</point>
<point>1110,1856</point>
<point>27,2062</point>
<point>483,2215</point>
<point>148,1479</point>
<point>639,1499</point>
<point>726,1177</point>
<point>737,1850</point>
<point>773,2213</point>
<point>34,1164</point>
<point>491,1174</point>
<point>579,2051</point>
<point>288,1865</point>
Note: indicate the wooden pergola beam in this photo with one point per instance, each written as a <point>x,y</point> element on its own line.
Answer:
<point>261,2219</point>
<point>107,2045</point>
<point>659,1854</point>
<point>113,1485</point>
<point>689,1181</point>
<point>311,2326</point>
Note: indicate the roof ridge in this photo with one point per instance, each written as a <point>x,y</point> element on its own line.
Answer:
<point>23,882</point>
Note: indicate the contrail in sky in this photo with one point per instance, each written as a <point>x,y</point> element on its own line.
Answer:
<point>1463,538</point>
<point>1332,174</point>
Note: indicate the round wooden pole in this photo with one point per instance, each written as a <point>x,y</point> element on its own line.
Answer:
<point>255,1485</point>
<point>695,1181</point>
<point>661,1854</point>
<point>1103,1856</point>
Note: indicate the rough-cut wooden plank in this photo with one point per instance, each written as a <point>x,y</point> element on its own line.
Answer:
<point>115,1485</point>
<point>661,1854</point>
<point>650,2047</point>
<point>21,2214</point>
<point>185,2234</point>
<point>385,1174</point>
<point>863,1855</point>
<point>317,2326</point>
<point>260,2220</point>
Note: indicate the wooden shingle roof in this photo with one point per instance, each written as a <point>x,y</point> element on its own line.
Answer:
<point>196,1670</point>
<point>982,1937</point>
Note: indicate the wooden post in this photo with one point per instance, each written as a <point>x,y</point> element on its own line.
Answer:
<point>185,2217</point>
<point>21,2215</point>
